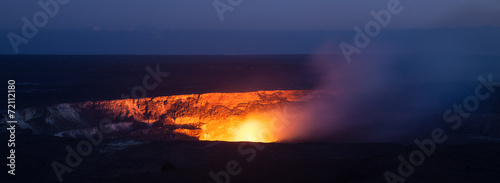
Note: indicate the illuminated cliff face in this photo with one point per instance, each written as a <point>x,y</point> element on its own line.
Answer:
<point>249,116</point>
<point>212,116</point>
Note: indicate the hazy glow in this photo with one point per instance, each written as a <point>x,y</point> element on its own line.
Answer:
<point>253,131</point>
<point>255,128</point>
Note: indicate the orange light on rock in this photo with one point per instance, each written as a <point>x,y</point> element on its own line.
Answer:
<point>246,116</point>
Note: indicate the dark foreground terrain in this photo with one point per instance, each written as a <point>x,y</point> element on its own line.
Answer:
<point>192,161</point>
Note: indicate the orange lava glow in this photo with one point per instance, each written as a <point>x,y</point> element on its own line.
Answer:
<point>244,116</point>
<point>251,130</point>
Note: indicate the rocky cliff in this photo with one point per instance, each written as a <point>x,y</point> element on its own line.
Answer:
<point>210,116</point>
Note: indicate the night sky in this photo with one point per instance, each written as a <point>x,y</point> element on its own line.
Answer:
<point>149,19</point>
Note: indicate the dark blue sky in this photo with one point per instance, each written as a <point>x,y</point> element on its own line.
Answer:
<point>138,27</point>
<point>252,14</point>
